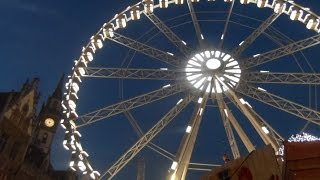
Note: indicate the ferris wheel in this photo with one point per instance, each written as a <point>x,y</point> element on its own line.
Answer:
<point>206,74</point>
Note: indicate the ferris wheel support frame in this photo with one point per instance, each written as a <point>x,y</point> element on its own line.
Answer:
<point>180,166</point>
<point>72,138</point>
<point>226,123</point>
<point>244,138</point>
<point>250,116</point>
<point>255,34</point>
<point>182,46</point>
<point>281,103</point>
<point>147,137</point>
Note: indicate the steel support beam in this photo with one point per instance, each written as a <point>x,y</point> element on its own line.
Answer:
<point>140,133</point>
<point>146,49</point>
<point>280,52</point>
<point>129,73</point>
<point>275,137</point>
<point>188,141</point>
<point>244,138</point>
<point>146,138</point>
<point>196,24</point>
<point>182,46</point>
<point>255,34</point>
<point>227,126</point>
<point>282,78</point>
<point>226,26</point>
<point>247,111</point>
<point>132,103</point>
<point>281,103</point>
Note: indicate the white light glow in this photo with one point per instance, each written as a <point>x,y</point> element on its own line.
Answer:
<point>233,63</point>
<point>200,100</point>
<point>265,130</point>
<point>204,65</point>
<point>166,86</point>
<point>81,166</point>
<point>170,53</point>
<point>213,63</point>
<point>226,57</point>
<point>201,111</point>
<point>174,165</point>
<point>226,112</point>
<point>304,137</point>
<point>261,89</point>
<point>218,87</point>
<point>188,130</point>
<point>179,101</point>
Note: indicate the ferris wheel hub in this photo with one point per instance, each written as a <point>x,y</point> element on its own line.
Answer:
<point>213,63</point>
<point>213,66</point>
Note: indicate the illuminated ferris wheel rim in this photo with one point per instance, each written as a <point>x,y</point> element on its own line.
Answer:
<point>295,12</point>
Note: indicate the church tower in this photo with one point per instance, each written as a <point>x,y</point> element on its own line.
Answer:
<point>48,119</point>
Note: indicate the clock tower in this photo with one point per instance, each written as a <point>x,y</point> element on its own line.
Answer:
<point>48,119</point>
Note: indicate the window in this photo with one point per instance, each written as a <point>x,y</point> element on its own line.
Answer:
<point>3,141</point>
<point>14,151</point>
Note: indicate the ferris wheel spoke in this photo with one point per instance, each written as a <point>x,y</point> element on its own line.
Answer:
<point>180,166</point>
<point>196,23</point>
<point>256,121</point>
<point>227,125</point>
<point>255,34</point>
<point>244,138</point>
<point>132,103</point>
<point>226,25</point>
<point>140,133</point>
<point>182,46</point>
<point>282,78</point>
<point>280,52</point>
<point>281,103</point>
<point>146,49</point>
<point>130,73</point>
<point>146,138</point>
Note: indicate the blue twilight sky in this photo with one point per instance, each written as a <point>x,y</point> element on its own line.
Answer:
<point>42,38</point>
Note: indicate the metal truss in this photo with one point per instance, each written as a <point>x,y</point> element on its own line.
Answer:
<point>283,78</point>
<point>226,26</point>
<point>248,112</point>
<point>281,103</point>
<point>227,126</point>
<point>188,141</point>
<point>202,166</point>
<point>244,138</point>
<point>127,73</point>
<point>186,50</point>
<point>255,34</point>
<point>196,23</point>
<point>145,139</point>
<point>132,103</point>
<point>275,137</point>
<point>280,52</point>
<point>140,133</point>
<point>146,49</point>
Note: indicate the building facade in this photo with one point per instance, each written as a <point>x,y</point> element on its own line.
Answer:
<point>26,137</point>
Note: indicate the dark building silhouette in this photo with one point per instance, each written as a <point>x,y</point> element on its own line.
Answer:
<point>25,137</point>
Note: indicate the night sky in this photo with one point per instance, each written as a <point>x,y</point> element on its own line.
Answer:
<point>42,38</point>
